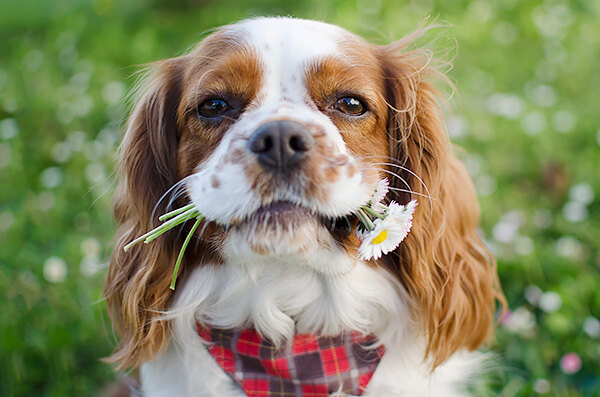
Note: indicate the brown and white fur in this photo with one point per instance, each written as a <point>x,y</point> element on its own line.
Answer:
<point>431,302</point>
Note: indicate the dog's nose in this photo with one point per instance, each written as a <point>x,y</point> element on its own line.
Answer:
<point>280,145</point>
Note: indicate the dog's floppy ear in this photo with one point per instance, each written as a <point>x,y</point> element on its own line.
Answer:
<point>137,284</point>
<point>443,264</point>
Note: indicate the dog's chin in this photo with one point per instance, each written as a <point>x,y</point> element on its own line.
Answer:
<point>280,228</point>
<point>285,231</point>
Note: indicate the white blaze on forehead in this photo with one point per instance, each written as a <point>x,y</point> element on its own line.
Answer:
<point>286,46</point>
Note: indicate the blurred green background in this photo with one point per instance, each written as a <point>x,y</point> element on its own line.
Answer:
<point>527,112</point>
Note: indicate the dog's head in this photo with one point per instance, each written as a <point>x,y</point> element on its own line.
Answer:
<point>277,129</point>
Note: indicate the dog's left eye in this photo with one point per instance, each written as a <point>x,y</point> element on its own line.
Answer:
<point>212,108</point>
<point>350,105</point>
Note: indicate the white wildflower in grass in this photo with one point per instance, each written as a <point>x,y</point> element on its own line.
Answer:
<point>55,270</point>
<point>381,227</point>
<point>591,326</point>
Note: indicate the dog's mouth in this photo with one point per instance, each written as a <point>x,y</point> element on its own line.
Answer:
<point>285,214</point>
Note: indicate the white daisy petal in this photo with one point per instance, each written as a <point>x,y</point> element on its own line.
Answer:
<point>360,233</point>
<point>379,208</point>
<point>381,191</point>
<point>401,213</point>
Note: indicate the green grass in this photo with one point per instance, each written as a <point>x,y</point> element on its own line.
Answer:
<point>527,113</point>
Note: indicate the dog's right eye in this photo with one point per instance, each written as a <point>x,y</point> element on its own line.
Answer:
<point>351,106</point>
<point>212,108</point>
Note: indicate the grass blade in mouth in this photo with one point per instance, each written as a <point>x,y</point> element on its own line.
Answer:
<point>188,214</point>
<point>175,212</point>
<point>182,218</point>
<point>171,220</point>
<point>182,251</point>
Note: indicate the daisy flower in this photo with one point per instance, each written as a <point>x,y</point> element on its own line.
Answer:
<point>388,232</point>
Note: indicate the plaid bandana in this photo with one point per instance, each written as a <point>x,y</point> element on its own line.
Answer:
<point>310,366</point>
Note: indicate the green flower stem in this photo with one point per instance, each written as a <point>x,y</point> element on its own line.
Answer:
<point>182,251</point>
<point>186,216</point>
<point>137,240</point>
<point>365,219</point>
<point>165,227</point>
<point>175,212</point>
<point>152,234</point>
<point>369,210</point>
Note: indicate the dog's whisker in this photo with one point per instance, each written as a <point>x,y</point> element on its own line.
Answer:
<point>409,191</point>
<point>178,192</point>
<point>399,166</point>
<point>392,173</point>
<point>428,196</point>
<point>398,176</point>
<point>165,194</point>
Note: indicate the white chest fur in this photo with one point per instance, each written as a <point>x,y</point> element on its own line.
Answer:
<point>280,300</point>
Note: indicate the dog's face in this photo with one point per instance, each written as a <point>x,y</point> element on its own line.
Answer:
<point>277,129</point>
<point>281,125</point>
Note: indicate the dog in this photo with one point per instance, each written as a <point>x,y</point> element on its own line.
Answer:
<point>277,130</point>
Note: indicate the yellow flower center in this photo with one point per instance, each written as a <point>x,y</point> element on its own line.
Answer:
<point>380,237</point>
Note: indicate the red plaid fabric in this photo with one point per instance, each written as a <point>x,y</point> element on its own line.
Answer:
<point>310,366</point>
